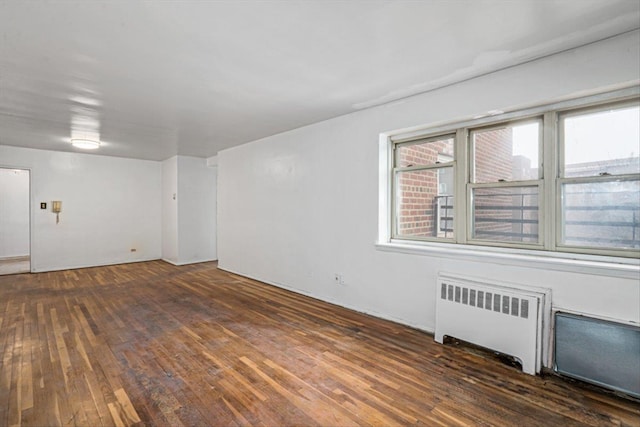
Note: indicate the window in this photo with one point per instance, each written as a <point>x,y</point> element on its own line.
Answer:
<point>423,188</point>
<point>554,179</point>
<point>505,183</point>
<point>599,187</point>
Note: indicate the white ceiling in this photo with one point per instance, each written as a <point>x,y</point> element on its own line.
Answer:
<point>163,78</point>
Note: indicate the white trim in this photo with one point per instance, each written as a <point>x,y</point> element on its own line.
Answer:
<point>100,264</point>
<point>549,175</point>
<point>461,174</point>
<point>14,258</point>
<point>628,268</point>
<point>385,155</point>
<point>178,264</point>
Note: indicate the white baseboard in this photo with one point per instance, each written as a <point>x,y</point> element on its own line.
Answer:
<point>187,262</point>
<point>78,266</point>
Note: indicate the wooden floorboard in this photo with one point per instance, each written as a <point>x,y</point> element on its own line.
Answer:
<point>156,344</point>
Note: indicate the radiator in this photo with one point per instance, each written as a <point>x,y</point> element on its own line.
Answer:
<point>506,318</point>
<point>598,351</point>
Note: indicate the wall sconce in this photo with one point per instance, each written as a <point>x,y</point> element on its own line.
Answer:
<point>56,208</point>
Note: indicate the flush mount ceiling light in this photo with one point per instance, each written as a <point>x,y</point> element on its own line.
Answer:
<point>85,144</point>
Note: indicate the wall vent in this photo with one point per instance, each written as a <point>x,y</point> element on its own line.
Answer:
<point>485,300</point>
<point>507,318</point>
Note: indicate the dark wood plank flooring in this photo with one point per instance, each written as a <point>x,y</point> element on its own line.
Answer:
<point>156,344</point>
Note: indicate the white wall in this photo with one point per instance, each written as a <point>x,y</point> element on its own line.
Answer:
<point>297,207</point>
<point>196,210</point>
<point>170,210</point>
<point>109,206</point>
<point>189,218</point>
<point>14,213</point>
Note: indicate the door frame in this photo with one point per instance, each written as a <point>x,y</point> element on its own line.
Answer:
<point>31,210</point>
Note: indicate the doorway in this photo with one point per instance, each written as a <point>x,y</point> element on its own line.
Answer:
<point>15,221</point>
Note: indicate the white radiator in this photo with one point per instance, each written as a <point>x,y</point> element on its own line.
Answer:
<point>506,318</point>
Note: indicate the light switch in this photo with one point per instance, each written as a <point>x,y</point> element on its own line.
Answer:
<point>43,205</point>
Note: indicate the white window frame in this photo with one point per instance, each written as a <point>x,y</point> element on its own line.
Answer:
<point>396,170</point>
<point>561,179</point>
<point>548,248</point>
<point>471,185</point>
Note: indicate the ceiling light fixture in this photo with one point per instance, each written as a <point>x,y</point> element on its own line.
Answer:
<point>85,144</point>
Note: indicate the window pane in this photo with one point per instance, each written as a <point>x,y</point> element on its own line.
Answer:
<point>506,214</point>
<point>509,153</point>
<point>424,205</point>
<point>602,142</point>
<point>427,153</point>
<point>601,214</point>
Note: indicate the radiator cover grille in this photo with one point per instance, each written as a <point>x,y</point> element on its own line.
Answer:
<point>504,304</point>
<point>598,351</point>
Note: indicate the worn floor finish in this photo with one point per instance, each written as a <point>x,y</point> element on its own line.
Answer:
<point>156,344</point>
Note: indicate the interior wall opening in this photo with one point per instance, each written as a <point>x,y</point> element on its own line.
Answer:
<point>15,224</point>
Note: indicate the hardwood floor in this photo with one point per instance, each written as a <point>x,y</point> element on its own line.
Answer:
<point>156,344</point>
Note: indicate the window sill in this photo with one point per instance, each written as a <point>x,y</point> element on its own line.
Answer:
<point>626,268</point>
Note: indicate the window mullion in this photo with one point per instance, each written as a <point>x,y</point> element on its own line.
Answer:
<point>461,171</point>
<point>550,152</point>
